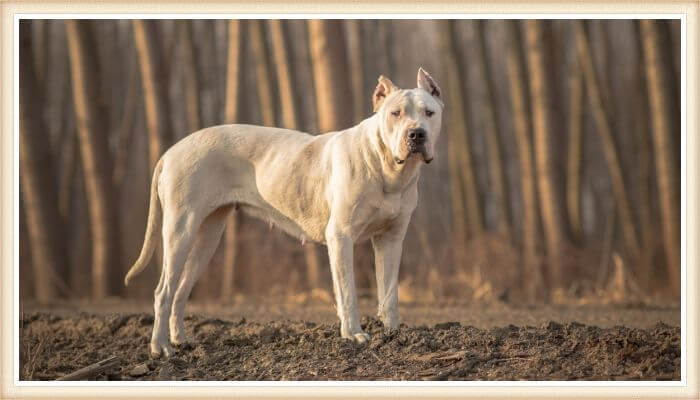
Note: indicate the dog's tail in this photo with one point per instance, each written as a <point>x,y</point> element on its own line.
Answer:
<point>155,216</point>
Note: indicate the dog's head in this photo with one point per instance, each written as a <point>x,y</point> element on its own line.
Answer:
<point>410,119</point>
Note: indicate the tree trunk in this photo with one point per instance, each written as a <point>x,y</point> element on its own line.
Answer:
<point>231,110</point>
<point>531,272</point>
<point>41,45</point>
<point>126,130</point>
<point>262,72</point>
<point>68,159</point>
<point>192,86</point>
<point>155,87</point>
<point>290,120</point>
<point>497,176</point>
<point>357,77</point>
<point>40,194</point>
<point>575,150</point>
<point>664,132</point>
<point>465,200</point>
<point>284,75</point>
<point>541,112</point>
<point>460,117</point>
<point>94,151</point>
<point>385,43</point>
<point>330,69</point>
<point>608,143</point>
<point>69,166</point>
<point>27,282</point>
<point>643,163</point>
<point>233,71</point>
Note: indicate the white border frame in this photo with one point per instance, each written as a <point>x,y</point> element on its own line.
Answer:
<point>684,160</point>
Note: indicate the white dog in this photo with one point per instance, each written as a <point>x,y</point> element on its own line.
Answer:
<point>338,188</point>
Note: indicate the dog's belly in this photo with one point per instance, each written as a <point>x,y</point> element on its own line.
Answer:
<point>287,216</point>
<point>276,219</point>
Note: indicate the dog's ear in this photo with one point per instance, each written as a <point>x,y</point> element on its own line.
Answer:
<point>384,87</point>
<point>427,83</point>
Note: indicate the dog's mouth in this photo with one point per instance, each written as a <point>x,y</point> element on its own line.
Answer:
<point>415,149</point>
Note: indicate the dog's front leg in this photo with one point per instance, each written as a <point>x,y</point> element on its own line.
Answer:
<point>340,255</point>
<point>387,258</point>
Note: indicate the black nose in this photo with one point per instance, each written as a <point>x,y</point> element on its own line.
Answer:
<point>417,135</point>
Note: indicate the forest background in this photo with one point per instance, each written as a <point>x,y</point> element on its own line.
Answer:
<point>557,176</point>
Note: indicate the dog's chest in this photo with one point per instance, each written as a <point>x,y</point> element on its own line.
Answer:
<point>384,211</point>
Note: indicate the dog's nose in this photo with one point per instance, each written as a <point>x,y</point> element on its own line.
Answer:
<point>417,135</point>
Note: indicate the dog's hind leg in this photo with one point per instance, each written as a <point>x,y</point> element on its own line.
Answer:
<point>203,249</point>
<point>178,234</point>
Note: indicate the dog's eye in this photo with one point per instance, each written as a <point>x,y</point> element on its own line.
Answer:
<point>429,113</point>
<point>396,113</point>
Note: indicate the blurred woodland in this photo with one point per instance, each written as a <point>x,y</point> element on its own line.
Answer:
<point>557,175</point>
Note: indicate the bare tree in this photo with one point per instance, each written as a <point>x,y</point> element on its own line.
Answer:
<point>126,129</point>
<point>575,150</point>
<point>231,110</point>
<point>497,179</point>
<point>41,41</point>
<point>354,30</point>
<point>465,200</point>
<point>540,107</point>
<point>330,68</point>
<point>262,72</point>
<point>643,164</point>
<point>154,79</point>
<point>283,70</point>
<point>659,84</point>
<point>40,195</point>
<point>96,160</point>
<point>192,86</point>
<point>69,161</point>
<point>530,235</point>
<point>609,147</point>
<point>26,267</point>
<point>385,42</point>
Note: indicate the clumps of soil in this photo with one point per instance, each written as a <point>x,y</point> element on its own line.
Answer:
<point>53,346</point>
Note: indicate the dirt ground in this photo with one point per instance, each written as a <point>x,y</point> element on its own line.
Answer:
<point>267,340</point>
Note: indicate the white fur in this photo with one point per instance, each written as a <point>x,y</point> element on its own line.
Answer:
<point>338,188</point>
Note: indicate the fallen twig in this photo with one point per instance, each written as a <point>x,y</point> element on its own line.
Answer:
<point>440,356</point>
<point>91,370</point>
<point>455,356</point>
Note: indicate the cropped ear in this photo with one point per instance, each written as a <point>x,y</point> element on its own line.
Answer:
<point>384,87</point>
<point>427,83</point>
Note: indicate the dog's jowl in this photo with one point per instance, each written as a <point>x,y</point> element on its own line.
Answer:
<point>337,189</point>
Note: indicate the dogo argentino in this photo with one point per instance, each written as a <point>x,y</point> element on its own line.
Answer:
<point>337,188</point>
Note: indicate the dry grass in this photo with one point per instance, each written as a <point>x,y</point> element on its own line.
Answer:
<point>29,355</point>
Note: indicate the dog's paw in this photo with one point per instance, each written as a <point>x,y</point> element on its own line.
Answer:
<point>161,349</point>
<point>390,325</point>
<point>360,338</point>
<point>180,339</point>
<point>390,319</point>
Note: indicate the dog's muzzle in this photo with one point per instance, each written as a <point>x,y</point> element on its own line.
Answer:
<point>416,138</point>
<point>415,142</point>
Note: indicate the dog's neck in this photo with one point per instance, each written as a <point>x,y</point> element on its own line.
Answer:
<point>396,177</point>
